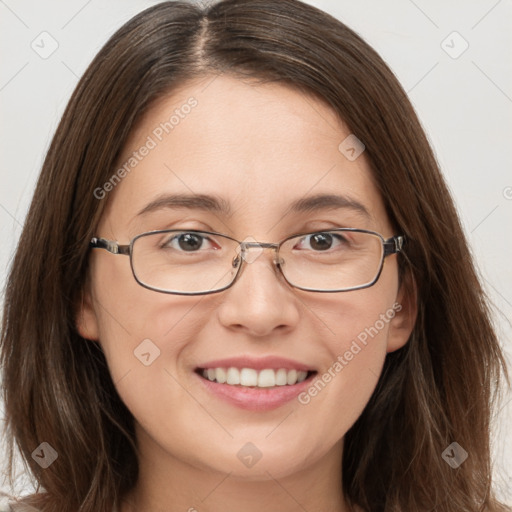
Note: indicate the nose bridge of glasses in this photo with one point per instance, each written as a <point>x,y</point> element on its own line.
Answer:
<point>262,245</point>
<point>258,247</point>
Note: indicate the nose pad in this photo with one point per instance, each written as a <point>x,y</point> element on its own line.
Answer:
<point>236,261</point>
<point>249,249</point>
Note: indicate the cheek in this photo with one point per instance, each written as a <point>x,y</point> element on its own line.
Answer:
<point>355,331</point>
<point>356,357</point>
<point>140,328</point>
<point>144,335</point>
<point>358,318</point>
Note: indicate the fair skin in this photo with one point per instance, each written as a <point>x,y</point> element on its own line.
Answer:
<point>260,147</point>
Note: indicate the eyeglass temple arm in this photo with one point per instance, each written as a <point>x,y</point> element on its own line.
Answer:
<point>109,245</point>
<point>393,245</point>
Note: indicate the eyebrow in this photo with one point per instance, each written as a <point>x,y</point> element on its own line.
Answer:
<point>328,201</point>
<point>190,201</point>
<point>219,205</point>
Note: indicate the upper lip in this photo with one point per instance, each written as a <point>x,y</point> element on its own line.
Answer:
<point>260,363</point>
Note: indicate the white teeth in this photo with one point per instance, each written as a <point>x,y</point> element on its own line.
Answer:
<point>266,378</point>
<point>250,377</point>
<point>281,377</point>
<point>219,375</point>
<point>292,376</point>
<point>233,376</point>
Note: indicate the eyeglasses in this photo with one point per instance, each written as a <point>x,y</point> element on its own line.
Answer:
<point>193,262</point>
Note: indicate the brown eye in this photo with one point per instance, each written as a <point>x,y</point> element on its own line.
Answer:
<point>319,242</point>
<point>187,242</point>
<point>190,241</point>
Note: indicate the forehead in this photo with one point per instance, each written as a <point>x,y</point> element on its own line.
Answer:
<point>256,147</point>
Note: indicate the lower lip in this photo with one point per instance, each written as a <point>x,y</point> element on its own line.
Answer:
<point>254,398</point>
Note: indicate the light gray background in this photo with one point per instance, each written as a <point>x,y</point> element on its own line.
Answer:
<point>463,99</point>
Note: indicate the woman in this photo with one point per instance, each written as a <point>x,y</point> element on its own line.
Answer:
<point>243,284</point>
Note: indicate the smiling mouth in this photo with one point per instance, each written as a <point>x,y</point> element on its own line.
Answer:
<point>251,378</point>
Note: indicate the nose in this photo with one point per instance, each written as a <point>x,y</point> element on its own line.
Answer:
<point>260,301</point>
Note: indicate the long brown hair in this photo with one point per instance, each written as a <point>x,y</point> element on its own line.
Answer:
<point>439,388</point>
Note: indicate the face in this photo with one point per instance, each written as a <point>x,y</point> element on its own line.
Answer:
<point>258,149</point>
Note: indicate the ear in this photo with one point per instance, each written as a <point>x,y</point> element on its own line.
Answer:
<point>406,311</point>
<point>85,316</point>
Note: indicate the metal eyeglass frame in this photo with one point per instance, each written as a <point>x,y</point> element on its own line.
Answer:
<point>390,246</point>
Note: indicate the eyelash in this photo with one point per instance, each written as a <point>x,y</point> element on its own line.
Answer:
<point>342,239</point>
<point>166,243</point>
<point>175,237</point>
